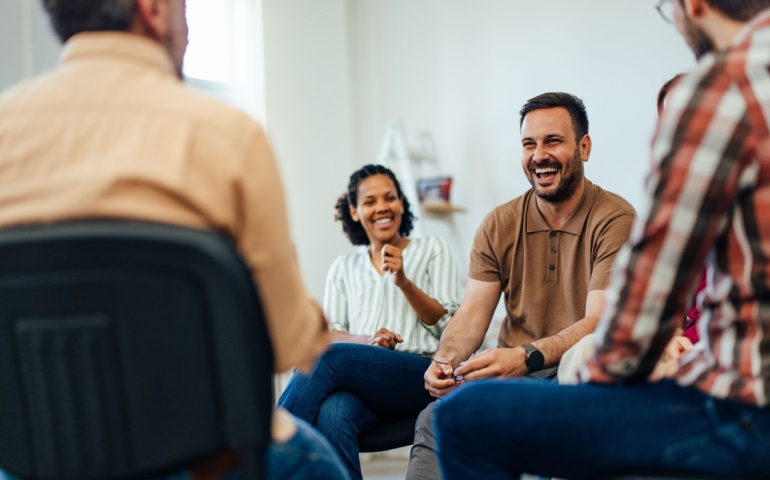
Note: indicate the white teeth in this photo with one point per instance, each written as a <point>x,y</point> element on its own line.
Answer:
<point>382,220</point>
<point>546,170</point>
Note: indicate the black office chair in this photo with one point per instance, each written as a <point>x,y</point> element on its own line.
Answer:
<point>128,350</point>
<point>388,436</point>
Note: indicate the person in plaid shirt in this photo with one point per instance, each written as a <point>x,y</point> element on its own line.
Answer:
<point>709,202</point>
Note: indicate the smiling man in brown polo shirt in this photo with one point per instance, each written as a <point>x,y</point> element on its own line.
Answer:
<point>548,251</point>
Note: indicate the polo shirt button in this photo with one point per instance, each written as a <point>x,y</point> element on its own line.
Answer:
<point>553,234</point>
<point>553,250</point>
<point>552,267</point>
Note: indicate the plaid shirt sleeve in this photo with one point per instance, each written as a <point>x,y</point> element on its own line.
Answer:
<point>703,144</point>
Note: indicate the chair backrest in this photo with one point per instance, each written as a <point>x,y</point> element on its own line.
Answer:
<point>127,349</point>
<point>388,436</point>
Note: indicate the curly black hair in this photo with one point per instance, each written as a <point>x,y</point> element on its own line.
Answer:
<point>353,230</point>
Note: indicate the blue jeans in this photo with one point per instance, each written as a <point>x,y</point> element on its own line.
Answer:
<point>352,389</point>
<point>499,429</point>
<point>307,455</point>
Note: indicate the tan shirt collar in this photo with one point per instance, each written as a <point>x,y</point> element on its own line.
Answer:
<point>537,223</point>
<point>120,46</point>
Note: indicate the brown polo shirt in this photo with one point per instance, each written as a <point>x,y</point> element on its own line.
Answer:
<point>546,274</point>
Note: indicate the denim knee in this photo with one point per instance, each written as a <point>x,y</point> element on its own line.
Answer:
<point>343,412</point>
<point>306,455</point>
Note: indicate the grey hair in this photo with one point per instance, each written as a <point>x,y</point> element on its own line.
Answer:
<point>69,17</point>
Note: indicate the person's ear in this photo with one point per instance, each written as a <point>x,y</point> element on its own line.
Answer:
<point>354,213</point>
<point>154,17</point>
<point>585,147</point>
<point>692,8</point>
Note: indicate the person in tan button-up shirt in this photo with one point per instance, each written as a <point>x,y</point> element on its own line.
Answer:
<point>113,132</point>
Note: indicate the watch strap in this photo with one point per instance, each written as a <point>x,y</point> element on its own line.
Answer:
<point>534,357</point>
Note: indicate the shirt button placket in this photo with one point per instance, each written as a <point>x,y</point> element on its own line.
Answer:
<point>553,242</point>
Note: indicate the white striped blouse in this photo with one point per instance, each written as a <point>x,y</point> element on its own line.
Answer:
<point>361,301</point>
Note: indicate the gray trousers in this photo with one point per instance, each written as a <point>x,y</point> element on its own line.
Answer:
<point>423,459</point>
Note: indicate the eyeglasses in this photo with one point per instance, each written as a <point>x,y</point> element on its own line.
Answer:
<point>457,378</point>
<point>666,10</point>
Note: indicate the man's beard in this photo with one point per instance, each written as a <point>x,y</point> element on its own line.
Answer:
<point>570,180</point>
<point>697,39</point>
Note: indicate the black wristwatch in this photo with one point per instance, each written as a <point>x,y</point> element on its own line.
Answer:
<point>535,359</point>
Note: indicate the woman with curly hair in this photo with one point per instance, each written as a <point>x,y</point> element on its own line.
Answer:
<point>386,305</point>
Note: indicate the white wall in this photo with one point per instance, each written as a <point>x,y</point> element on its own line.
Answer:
<point>27,44</point>
<point>308,110</point>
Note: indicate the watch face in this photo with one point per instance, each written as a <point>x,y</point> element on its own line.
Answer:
<point>535,360</point>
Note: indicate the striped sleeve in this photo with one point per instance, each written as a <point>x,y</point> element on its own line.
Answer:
<point>335,300</point>
<point>700,145</point>
<point>445,282</point>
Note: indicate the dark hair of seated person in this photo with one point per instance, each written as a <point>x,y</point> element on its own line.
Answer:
<point>353,230</point>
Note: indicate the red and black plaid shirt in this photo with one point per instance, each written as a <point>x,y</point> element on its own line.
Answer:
<point>709,201</point>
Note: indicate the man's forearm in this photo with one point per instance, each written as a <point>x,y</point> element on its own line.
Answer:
<point>462,337</point>
<point>467,328</point>
<point>553,347</point>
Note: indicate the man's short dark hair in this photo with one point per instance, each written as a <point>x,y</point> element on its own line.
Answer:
<point>573,104</point>
<point>739,10</point>
<point>69,17</point>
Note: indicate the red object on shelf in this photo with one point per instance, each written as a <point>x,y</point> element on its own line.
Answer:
<point>434,190</point>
